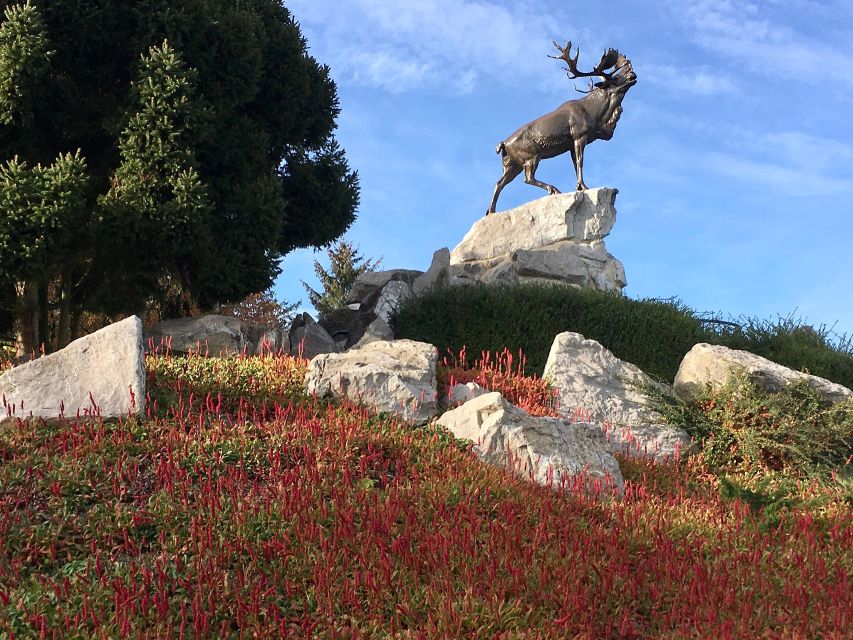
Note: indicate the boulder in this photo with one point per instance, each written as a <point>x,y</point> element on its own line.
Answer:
<point>396,377</point>
<point>106,367</point>
<point>206,335</point>
<point>390,298</point>
<point>557,238</point>
<point>549,451</point>
<point>347,326</point>
<point>713,364</point>
<point>593,385</point>
<point>308,339</point>
<point>462,393</point>
<point>376,330</point>
<point>367,286</point>
<point>438,274</point>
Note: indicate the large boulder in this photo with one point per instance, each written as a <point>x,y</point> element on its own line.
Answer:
<point>308,339</point>
<point>390,298</point>
<point>106,367</point>
<point>367,286</point>
<point>557,238</point>
<point>396,377</point>
<point>347,325</point>
<point>550,451</point>
<point>593,385</point>
<point>213,335</point>
<point>438,274</point>
<point>713,364</point>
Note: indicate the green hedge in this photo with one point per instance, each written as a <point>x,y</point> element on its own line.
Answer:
<point>652,334</point>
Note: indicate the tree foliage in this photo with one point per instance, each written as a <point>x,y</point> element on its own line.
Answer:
<point>345,265</point>
<point>208,137</point>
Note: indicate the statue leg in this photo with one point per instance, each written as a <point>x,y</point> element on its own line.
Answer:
<point>511,171</point>
<point>578,156</point>
<point>530,177</point>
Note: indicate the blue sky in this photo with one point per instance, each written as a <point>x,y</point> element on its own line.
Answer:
<point>733,157</point>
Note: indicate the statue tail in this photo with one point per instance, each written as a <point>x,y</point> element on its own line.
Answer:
<point>501,149</point>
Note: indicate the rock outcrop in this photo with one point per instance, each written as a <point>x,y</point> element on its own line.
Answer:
<point>438,274</point>
<point>106,367</point>
<point>593,385</point>
<point>213,335</point>
<point>368,286</point>
<point>347,325</point>
<point>308,339</point>
<point>395,377</point>
<point>557,238</point>
<point>713,364</point>
<point>550,451</point>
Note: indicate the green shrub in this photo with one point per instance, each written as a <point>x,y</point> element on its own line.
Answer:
<point>746,430</point>
<point>651,334</point>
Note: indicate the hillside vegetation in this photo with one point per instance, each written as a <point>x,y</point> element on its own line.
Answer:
<point>652,334</point>
<point>239,508</point>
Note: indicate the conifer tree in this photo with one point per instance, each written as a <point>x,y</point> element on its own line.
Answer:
<point>39,209</point>
<point>249,168</point>
<point>156,192</point>
<point>345,265</point>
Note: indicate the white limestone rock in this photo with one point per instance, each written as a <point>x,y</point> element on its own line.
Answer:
<point>106,366</point>
<point>396,377</point>
<point>578,215</point>
<point>437,275</point>
<point>550,451</point>
<point>713,364</point>
<point>368,285</point>
<point>557,239</point>
<point>462,393</point>
<point>392,296</point>
<point>594,385</point>
<point>205,335</point>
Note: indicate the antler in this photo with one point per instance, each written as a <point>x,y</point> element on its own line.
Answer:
<point>608,60</point>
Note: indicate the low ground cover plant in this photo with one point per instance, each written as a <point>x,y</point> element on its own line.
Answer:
<point>317,520</point>
<point>502,372</point>
<point>772,450</point>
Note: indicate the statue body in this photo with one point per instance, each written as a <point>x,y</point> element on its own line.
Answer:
<point>571,126</point>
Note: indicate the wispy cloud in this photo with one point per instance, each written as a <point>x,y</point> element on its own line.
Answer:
<point>448,46</point>
<point>749,34</point>
<point>702,81</point>
<point>783,178</point>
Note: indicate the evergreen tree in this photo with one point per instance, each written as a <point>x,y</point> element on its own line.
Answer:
<point>24,61</point>
<point>249,170</point>
<point>39,210</point>
<point>156,193</point>
<point>345,265</point>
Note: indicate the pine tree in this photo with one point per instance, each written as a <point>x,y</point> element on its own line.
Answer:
<point>39,209</point>
<point>156,193</point>
<point>345,265</point>
<point>249,168</point>
<point>24,61</point>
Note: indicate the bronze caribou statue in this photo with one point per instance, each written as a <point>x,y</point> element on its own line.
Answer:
<point>572,125</point>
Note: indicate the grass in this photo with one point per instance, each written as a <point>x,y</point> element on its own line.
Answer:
<point>241,508</point>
